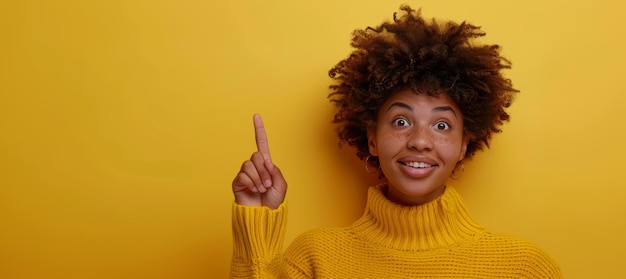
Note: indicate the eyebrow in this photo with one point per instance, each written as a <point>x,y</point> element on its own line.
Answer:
<point>399,104</point>
<point>436,109</point>
<point>445,108</point>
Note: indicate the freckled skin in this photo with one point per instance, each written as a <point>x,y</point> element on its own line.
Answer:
<point>421,128</point>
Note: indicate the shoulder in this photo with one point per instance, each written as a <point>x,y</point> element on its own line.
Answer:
<point>511,244</point>
<point>531,260</point>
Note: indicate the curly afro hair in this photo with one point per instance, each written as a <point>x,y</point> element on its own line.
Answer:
<point>428,57</point>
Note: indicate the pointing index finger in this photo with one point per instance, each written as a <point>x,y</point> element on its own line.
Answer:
<point>261,137</point>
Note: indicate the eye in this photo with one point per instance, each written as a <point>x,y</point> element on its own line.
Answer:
<point>442,126</point>
<point>401,122</point>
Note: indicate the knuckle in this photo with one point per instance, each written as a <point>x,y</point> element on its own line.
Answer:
<point>246,165</point>
<point>256,156</point>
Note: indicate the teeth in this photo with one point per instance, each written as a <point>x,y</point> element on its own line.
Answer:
<point>418,165</point>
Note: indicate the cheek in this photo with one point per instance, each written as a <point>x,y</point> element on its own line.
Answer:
<point>389,143</point>
<point>450,146</point>
<point>444,141</point>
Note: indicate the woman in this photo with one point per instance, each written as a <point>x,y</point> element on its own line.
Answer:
<point>415,98</point>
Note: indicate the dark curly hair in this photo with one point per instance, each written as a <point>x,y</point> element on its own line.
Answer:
<point>429,57</point>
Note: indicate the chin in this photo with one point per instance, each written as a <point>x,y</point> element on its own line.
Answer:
<point>414,194</point>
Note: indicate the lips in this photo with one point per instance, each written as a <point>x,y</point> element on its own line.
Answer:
<point>417,167</point>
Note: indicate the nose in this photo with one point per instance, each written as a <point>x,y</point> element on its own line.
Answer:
<point>420,139</point>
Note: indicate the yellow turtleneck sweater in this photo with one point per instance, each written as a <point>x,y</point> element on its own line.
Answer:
<point>435,240</point>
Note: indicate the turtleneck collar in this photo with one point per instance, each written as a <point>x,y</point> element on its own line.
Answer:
<point>437,224</point>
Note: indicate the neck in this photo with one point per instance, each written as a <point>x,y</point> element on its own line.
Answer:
<point>442,222</point>
<point>400,198</point>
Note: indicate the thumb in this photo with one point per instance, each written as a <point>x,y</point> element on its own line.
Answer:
<point>275,195</point>
<point>278,180</point>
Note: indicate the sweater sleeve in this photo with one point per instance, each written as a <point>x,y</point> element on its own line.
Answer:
<point>258,234</point>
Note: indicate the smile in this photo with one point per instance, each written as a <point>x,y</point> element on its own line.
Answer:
<point>419,165</point>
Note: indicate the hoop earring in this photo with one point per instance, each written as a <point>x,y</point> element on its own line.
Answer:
<point>367,169</point>
<point>455,177</point>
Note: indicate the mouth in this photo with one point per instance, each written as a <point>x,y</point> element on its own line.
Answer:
<point>417,165</point>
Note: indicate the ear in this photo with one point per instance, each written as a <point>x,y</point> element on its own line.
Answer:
<point>371,141</point>
<point>466,140</point>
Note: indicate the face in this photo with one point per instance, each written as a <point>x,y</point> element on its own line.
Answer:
<point>418,140</point>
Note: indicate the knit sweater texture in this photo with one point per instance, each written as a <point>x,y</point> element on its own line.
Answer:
<point>434,240</point>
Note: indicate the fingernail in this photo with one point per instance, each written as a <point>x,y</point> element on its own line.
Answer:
<point>268,183</point>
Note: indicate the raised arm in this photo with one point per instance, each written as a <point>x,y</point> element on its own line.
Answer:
<point>258,217</point>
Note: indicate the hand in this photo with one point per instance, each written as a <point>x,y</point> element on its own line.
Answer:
<point>260,182</point>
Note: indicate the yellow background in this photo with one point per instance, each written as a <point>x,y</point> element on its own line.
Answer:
<point>123,124</point>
